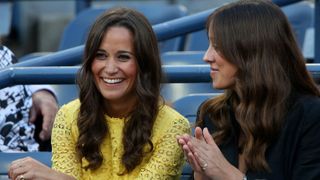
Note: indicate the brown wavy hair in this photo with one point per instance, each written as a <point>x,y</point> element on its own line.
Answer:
<point>91,117</point>
<point>256,36</point>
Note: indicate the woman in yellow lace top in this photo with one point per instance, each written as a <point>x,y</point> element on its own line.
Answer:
<point>119,128</point>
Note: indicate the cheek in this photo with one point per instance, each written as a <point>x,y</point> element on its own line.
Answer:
<point>132,71</point>
<point>96,67</point>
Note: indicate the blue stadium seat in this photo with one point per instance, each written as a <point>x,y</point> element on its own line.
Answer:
<point>76,31</point>
<point>188,107</point>
<point>300,15</point>
<point>182,57</point>
<point>174,91</point>
<point>197,41</point>
<point>189,104</point>
<point>7,158</point>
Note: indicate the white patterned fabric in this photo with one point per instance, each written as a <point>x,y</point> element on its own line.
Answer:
<point>16,133</point>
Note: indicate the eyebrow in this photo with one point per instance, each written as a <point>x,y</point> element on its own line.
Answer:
<point>121,51</point>
<point>128,52</point>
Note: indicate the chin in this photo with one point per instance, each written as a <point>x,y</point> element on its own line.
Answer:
<point>217,86</point>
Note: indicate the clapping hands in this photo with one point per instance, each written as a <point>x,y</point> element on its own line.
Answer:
<point>205,157</point>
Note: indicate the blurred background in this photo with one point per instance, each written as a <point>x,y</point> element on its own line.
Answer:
<point>33,28</point>
<point>38,25</point>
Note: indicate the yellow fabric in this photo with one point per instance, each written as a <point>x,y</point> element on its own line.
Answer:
<point>165,162</point>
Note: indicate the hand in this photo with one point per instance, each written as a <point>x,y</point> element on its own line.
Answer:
<point>31,169</point>
<point>44,104</point>
<point>183,141</point>
<point>28,168</point>
<point>209,160</point>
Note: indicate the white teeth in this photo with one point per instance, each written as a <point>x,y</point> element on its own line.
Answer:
<point>112,81</point>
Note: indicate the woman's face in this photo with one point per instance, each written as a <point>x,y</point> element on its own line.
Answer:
<point>115,66</point>
<point>222,72</point>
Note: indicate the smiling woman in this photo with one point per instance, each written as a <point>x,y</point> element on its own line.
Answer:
<point>119,128</point>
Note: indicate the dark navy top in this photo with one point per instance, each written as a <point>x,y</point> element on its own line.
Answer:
<point>295,154</point>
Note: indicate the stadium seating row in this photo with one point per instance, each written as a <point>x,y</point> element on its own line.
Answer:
<point>300,14</point>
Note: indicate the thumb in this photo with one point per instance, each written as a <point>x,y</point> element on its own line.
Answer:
<point>207,136</point>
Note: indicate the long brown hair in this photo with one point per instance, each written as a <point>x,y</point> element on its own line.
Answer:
<point>256,36</point>
<point>91,118</point>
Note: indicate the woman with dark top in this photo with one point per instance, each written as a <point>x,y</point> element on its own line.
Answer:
<point>266,124</point>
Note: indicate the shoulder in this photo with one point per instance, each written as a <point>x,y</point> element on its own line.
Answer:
<point>168,115</point>
<point>72,106</point>
<point>306,112</point>
<point>69,111</point>
<point>170,121</point>
<point>309,106</point>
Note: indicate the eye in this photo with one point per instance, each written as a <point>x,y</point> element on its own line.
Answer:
<point>101,56</point>
<point>124,57</point>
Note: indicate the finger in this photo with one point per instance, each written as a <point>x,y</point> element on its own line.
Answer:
<point>22,176</point>
<point>189,155</point>
<point>16,167</point>
<point>208,138</point>
<point>198,133</point>
<point>33,114</point>
<point>45,132</point>
<point>193,162</point>
<point>185,137</point>
<point>181,142</point>
<point>18,172</point>
<point>201,161</point>
<point>48,119</point>
<point>186,148</point>
<point>190,146</point>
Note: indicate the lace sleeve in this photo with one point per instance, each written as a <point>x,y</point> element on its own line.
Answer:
<point>167,159</point>
<point>64,157</point>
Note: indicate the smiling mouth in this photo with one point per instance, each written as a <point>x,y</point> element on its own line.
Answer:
<point>112,81</point>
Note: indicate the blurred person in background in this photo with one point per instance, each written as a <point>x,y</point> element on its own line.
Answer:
<point>266,123</point>
<point>120,127</point>
<point>21,106</point>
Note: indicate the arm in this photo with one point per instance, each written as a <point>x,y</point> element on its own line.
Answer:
<point>64,157</point>
<point>44,104</point>
<point>167,158</point>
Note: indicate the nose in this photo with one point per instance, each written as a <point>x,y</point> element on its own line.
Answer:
<point>111,66</point>
<point>208,56</point>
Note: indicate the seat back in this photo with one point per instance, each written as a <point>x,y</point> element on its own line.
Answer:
<point>300,15</point>
<point>182,57</point>
<point>75,33</point>
<point>188,107</point>
<point>173,91</point>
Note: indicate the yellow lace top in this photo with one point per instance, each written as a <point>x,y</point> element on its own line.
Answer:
<point>165,162</point>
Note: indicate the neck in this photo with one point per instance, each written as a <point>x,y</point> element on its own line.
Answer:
<point>119,109</point>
